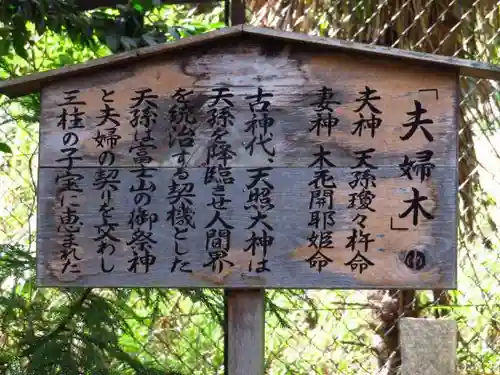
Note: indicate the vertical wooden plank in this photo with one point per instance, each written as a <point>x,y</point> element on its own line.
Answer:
<point>244,311</point>
<point>237,12</point>
<point>428,346</point>
<point>245,332</point>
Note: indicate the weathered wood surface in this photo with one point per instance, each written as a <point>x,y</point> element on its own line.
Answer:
<point>294,78</point>
<point>465,67</point>
<point>237,11</point>
<point>420,256</point>
<point>36,82</point>
<point>428,346</point>
<point>289,219</point>
<point>246,337</point>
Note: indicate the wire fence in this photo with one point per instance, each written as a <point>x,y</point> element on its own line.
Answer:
<point>337,332</point>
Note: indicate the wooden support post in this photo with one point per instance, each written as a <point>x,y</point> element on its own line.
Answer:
<point>245,338</point>
<point>235,12</point>
<point>428,346</point>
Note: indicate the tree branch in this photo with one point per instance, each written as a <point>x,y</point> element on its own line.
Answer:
<point>74,308</point>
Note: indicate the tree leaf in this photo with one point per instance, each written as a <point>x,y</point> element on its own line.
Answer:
<point>149,39</point>
<point>4,46</point>
<point>142,5</point>
<point>113,42</point>
<point>128,42</point>
<point>174,32</point>
<point>137,6</point>
<point>4,147</point>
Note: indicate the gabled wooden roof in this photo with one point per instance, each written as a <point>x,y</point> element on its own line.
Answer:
<point>34,82</point>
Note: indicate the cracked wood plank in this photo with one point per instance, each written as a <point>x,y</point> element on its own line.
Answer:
<point>410,136</point>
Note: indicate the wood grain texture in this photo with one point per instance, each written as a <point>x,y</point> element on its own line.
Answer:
<point>294,77</point>
<point>465,67</point>
<point>422,255</point>
<point>246,324</point>
<point>289,220</point>
<point>237,12</point>
<point>35,82</point>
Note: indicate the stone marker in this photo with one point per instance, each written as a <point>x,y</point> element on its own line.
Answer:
<point>428,346</point>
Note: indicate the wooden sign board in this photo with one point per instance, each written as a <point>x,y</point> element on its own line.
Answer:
<point>250,162</point>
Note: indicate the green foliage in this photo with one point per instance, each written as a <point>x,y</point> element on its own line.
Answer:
<point>4,147</point>
<point>54,15</point>
<point>134,25</point>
